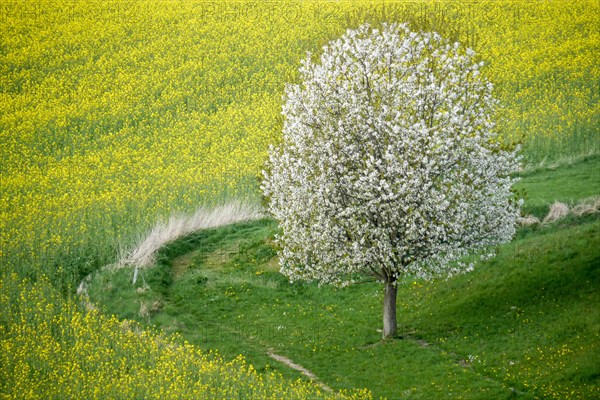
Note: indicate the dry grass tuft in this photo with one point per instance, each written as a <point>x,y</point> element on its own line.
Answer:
<point>588,206</point>
<point>147,310</point>
<point>528,220</point>
<point>557,211</point>
<point>181,225</point>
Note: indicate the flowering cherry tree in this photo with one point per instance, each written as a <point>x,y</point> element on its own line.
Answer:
<point>389,164</point>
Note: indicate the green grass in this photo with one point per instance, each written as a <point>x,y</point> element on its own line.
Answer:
<point>568,183</point>
<point>525,324</point>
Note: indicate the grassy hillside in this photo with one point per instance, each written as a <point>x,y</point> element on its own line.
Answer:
<point>569,184</point>
<point>522,325</point>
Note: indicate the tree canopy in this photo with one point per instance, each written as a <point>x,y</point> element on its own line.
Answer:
<point>389,163</point>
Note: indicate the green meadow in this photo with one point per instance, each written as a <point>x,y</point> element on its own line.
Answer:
<point>522,325</point>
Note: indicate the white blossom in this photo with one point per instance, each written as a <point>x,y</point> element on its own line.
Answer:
<point>389,164</point>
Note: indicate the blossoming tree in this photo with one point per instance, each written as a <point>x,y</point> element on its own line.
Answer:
<point>389,164</point>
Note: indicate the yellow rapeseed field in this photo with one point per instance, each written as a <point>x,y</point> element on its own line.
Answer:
<point>51,349</point>
<point>115,114</point>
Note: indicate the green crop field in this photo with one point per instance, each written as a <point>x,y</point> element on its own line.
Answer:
<point>116,115</point>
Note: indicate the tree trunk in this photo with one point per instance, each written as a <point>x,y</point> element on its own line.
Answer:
<point>390,325</point>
